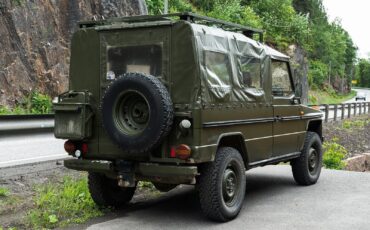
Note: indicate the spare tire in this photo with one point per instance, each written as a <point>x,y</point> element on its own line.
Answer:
<point>137,112</point>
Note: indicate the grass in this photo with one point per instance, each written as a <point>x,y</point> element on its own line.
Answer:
<point>4,192</point>
<point>60,205</point>
<point>317,97</point>
<point>355,124</point>
<point>9,203</point>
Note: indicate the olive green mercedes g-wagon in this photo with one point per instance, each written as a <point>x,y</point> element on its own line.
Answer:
<point>182,99</point>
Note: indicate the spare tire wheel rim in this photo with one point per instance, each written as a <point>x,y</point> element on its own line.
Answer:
<point>131,112</point>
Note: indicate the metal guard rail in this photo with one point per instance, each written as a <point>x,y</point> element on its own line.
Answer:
<point>346,110</point>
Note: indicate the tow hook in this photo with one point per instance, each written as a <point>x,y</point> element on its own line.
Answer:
<point>126,175</point>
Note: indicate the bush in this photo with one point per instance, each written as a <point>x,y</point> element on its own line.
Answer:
<point>34,103</point>
<point>40,103</point>
<point>334,154</point>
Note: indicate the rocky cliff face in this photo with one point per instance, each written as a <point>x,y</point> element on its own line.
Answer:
<point>300,70</point>
<point>34,41</point>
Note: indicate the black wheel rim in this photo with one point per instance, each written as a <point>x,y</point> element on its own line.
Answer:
<point>313,161</point>
<point>231,184</point>
<point>131,113</point>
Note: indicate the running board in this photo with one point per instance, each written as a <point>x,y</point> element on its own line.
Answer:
<point>275,160</point>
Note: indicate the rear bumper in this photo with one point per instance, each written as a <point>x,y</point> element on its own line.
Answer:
<point>173,174</point>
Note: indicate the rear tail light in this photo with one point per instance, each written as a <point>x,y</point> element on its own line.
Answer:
<point>84,148</point>
<point>75,148</point>
<point>173,152</point>
<point>70,147</point>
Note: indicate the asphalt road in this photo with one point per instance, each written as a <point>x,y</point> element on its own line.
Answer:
<point>340,200</point>
<point>18,150</point>
<point>365,91</point>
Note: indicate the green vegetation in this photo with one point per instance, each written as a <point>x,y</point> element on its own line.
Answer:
<point>318,97</point>
<point>334,154</point>
<point>39,103</point>
<point>355,124</point>
<point>145,185</point>
<point>329,48</point>
<point>63,204</point>
<point>34,103</point>
<point>18,2</point>
<point>4,192</point>
<point>363,73</point>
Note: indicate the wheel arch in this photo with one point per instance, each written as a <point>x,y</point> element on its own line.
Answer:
<point>315,126</point>
<point>234,140</point>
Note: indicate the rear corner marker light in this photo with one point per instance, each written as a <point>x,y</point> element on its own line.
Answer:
<point>183,152</point>
<point>84,148</point>
<point>172,152</point>
<point>70,147</point>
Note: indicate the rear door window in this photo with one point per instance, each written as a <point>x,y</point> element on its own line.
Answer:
<point>145,59</point>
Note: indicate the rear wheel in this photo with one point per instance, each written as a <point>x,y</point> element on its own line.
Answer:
<point>106,192</point>
<point>221,185</point>
<point>307,168</point>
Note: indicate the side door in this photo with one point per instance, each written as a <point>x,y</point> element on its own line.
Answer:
<point>288,128</point>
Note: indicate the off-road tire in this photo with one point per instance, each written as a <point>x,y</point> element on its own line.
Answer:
<point>106,192</point>
<point>135,134</point>
<point>307,168</point>
<point>211,185</point>
<point>164,187</point>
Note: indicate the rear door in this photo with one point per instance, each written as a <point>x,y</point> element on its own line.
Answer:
<point>144,50</point>
<point>288,126</point>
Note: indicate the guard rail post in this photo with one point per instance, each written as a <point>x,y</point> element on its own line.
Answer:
<point>349,110</point>
<point>335,112</point>
<point>343,109</point>
<point>326,112</point>
<point>360,108</point>
<point>355,110</point>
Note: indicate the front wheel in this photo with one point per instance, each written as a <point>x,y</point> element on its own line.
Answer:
<point>221,185</point>
<point>307,168</point>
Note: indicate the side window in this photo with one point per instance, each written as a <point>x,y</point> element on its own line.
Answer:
<point>218,69</point>
<point>250,69</point>
<point>144,59</point>
<point>281,84</point>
